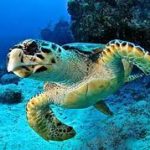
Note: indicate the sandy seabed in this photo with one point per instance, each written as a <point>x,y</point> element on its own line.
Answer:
<point>128,129</point>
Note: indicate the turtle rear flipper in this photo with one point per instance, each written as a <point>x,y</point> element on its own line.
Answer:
<point>134,77</point>
<point>102,107</point>
<point>42,119</point>
<point>117,50</point>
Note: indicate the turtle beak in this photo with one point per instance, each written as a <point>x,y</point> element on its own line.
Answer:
<point>15,65</point>
<point>14,60</point>
<point>12,67</point>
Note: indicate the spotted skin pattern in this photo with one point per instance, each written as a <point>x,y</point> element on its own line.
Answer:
<point>75,79</point>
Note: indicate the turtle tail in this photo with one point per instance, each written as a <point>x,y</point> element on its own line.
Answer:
<point>117,50</point>
<point>43,121</point>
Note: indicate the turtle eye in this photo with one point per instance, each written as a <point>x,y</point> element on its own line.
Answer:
<point>30,48</point>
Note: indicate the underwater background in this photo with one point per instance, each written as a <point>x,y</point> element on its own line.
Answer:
<point>66,21</point>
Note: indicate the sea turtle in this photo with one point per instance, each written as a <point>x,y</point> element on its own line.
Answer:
<point>79,75</point>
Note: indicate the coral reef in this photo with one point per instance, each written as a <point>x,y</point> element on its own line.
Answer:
<point>47,34</point>
<point>10,94</point>
<point>61,33</point>
<point>101,21</point>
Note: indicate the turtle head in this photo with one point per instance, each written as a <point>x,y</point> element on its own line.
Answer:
<point>31,57</point>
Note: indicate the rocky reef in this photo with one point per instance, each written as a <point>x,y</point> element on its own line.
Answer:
<point>61,33</point>
<point>10,94</point>
<point>9,78</point>
<point>101,21</point>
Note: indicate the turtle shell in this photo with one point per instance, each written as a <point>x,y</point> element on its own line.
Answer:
<point>90,50</point>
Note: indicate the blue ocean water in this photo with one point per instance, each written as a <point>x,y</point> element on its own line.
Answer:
<point>25,19</point>
<point>127,129</point>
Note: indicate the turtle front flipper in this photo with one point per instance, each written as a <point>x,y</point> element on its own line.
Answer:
<point>117,50</point>
<point>102,107</point>
<point>43,121</point>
